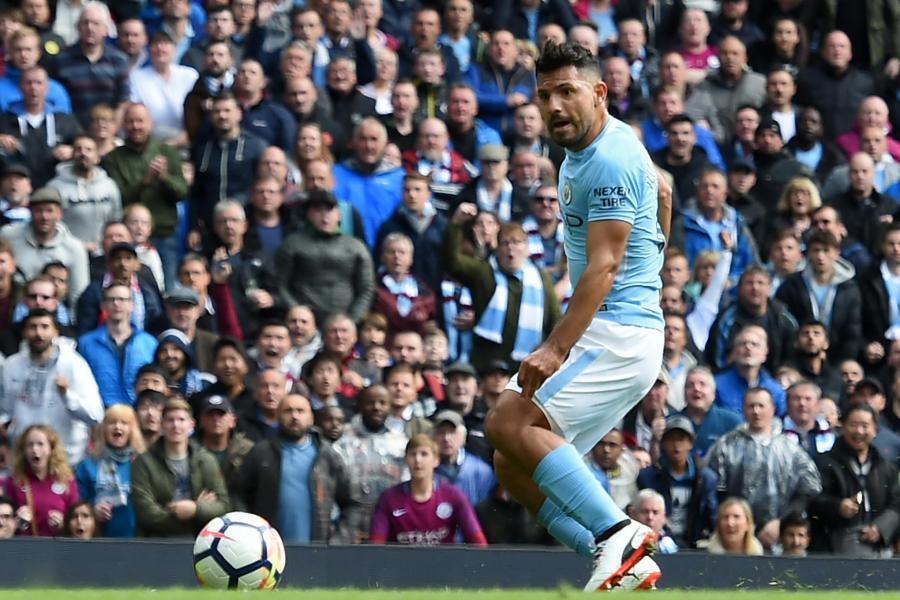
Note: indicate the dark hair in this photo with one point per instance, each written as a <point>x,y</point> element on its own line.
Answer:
<point>152,369</point>
<point>822,238</point>
<point>152,397</point>
<point>53,264</point>
<point>227,341</point>
<point>794,519</point>
<point>568,54</point>
<point>272,323</point>
<point>194,257</point>
<point>398,368</point>
<point>679,118</point>
<point>318,359</point>
<point>71,513</point>
<point>37,313</point>
<point>755,270</point>
<point>861,407</point>
<point>225,95</point>
<point>812,322</point>
<point>759,390</point>
<point>7,500</point>
<point>784,234</point>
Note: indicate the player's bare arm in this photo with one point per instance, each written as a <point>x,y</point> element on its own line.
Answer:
<point>665,205</point>
<point>606,242</point>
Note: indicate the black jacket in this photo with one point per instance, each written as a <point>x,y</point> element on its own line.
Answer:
<point>839,482</point>
<point>773,172</point>
<point>34,152</point>
<point>508,14</point>
<point>836,96</point>
<point>876,305</point>
<point>863,219</point>
<point>831,158</point>
<point>255,488</point>
<point>845,326</point>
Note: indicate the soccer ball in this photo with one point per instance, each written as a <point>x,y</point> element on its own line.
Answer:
<point>239,551</point>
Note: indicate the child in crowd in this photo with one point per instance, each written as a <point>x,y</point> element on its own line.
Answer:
<point>139,222</point>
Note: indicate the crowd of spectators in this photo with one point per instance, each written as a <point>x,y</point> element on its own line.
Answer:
<point>283,257</point>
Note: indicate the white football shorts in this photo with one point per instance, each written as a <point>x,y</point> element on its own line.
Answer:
<point>607,372</point>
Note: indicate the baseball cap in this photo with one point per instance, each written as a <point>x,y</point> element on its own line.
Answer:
<point>743,164</point>
<point>493,152</point>
<point>182,294</point>
<point>320,197</point>
<point>448,416</point>
<point>46,194</point>
<point>870,382</point>
<point>681,423</point>
<point>460,368</point>
<point>215,402</point>
<point>663,377</point>
<point>770,124</point>
<point>498,364</point>
<point>121,246</point>
<point>17,169</point>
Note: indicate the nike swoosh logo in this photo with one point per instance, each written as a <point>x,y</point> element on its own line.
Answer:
<point>399,512</point>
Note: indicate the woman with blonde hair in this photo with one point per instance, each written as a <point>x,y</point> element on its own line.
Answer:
<point>42,486</point>
<point>734,530</point>
<point>799,200</point>
<point>104,479</point>
<point>310,145</point>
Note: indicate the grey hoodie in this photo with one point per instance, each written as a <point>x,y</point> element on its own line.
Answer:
<point>90,203</point>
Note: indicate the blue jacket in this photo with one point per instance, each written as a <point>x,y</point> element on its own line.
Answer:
<point>375,195</point>
<point>697,239</point>
<point>272,123</point>
<point>484,135</point>
<point>475,478</point>
<point>655,140</point>
<point>57,97</point>
<point>114,378</point>
<point>731,387</point>
<point>703,504</point>
<point>492,87</point>
<point>123,523</point>
<point>717,423</point>
<point>87,309</point>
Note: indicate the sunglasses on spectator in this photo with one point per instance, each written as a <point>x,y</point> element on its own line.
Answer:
<point>542,199</point>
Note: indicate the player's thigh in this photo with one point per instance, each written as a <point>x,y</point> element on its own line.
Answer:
<point>606,374</point>
<point>513,414</point>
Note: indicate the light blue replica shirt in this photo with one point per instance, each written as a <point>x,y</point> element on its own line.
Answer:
<point>614,179</point>
<point>295,504</point>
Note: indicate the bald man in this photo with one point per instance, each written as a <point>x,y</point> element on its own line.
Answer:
<point>873,112</point>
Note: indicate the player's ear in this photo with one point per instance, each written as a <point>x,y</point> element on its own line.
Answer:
<point>600,91</point>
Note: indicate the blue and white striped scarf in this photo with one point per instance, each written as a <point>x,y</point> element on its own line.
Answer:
<point>531,310</point>
<point>536,242</point>
<point>455,299</point>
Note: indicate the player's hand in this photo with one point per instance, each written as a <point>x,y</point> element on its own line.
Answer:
<point>103,511</point>
<point>537,367</point>
<point>465,212</point>
<point>848,508</point>
<point>768,535</point>
<point>183,509</point>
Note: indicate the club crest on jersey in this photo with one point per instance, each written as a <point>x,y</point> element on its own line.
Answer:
<point>567,193</point>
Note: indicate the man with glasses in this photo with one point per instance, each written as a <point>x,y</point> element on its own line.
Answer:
<point>40,292</point>
<point>545,234</point>
<point>115,350</point>
<point>7,518</point>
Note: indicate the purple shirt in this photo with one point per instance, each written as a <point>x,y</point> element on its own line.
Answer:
<point>399,519</point>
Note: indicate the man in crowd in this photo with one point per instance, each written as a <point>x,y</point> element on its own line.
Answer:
<point>466,471</point>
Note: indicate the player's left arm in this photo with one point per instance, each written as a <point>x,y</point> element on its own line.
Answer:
<point>664,211</point>
<point>606,243</point>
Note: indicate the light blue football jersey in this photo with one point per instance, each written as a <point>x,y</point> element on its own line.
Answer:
<point>614,179</point>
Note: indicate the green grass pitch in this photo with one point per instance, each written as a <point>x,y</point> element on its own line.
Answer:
<point>296,594</point>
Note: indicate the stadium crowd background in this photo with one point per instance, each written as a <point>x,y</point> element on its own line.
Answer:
<point>224,222</point>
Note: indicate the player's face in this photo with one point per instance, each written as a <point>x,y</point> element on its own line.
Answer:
<point>570,104</point>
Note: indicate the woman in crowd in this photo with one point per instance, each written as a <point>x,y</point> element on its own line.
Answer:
<point>382,88</point>
<point>311,146</point>
<point>42,484</point>
<point>734,530</point>
<point>798,201</point>
<point>104,478</point>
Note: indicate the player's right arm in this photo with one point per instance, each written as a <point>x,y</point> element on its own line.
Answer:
<point>606,243</point>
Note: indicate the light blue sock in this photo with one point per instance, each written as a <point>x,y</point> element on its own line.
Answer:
<point>566,529</point>
<point>564,478</point>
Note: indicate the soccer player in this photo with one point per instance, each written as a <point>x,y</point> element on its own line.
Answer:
<point>606,351</point>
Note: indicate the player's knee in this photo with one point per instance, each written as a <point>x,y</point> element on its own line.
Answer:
<point>497,426</point>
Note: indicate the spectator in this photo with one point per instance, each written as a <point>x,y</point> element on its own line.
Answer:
<point>681,157</point>
<point>306,341</point>
<point>734,530</point>
<point>835,87</point>
<point>131,40</point>
<point>770,470</point>
<point>266,119</point>
<point>624,99</point>
<point>115,350</point>
<point>348,105</point>
<point>643,425</point>
<point>403,120</point>
<point>669,102</point>
<point>418,220</point>
<point>433,157</point>
<point>649,508</point>
<point>23,54</point>
<point>15,188</point>
<point>175,356</point>
<point>216,76</point>
<point>8,521</point>
<point>370,184</point>
<point>697,103</point>
<point>331,421</point>
<point>48,382</point>
<point>826,291</point>
<point>615,466</point>
<point>748,355</point>
<point>149,409</point>
<point>218,437</point>
<point>687,488</point>
<point>230,367</point>
<point>753,306</point>
<point>810,358</point>
<point>734,84</point>
<point>809,146</point>
<point>742,141</point>
<point>373,455</point>
<point>642,58</point>
<point>500,83</point>
<point>272,345</point>
<point>786,47</point>
<point>733,21</point>
<point>870,391</point>
<point>406,513</point>
<point>678,360</point>
<point>799,200</point>
<point>339,333</point>
<point>405,300</point>
<point>873,112</point>
<point>775,166</point>
<point>429,73</point>
<point>269,221</point>
<point>260,421</point>
<point>176,484</point>
<point>123,266</point>
<point>220,28</point>
<point>710,422</point>
<point>11,290</point>
<point>139,221</point>
<point>473,476</point>
<point>795,538</point>
<point>296,481</point>
<point>150,172</point>
<point>324,268</point>
<point>502,332</point>
<point>862,208</point>
<point>732,231</point>
<point>828,219</point>
<point>42,485</point>
<point>693,33</point>
<point>858,504</point>
<point>193,290</point>
<point>780,91</point>
<point>803,421</point>
<point>93,72</point>
<point>461,35</point>
<point>492,190</point>
<point>468,134</point>
<point>879,287</point>
<point>381,88</point>
<point>104,477</point>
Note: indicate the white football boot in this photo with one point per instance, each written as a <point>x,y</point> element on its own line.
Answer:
<point>617,558</point>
